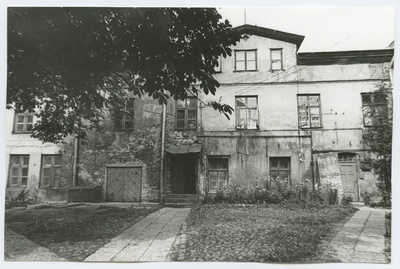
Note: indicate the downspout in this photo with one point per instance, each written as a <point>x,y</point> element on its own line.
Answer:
<point>75,162</point>
<point>162,190</point>
<point>312,163</point>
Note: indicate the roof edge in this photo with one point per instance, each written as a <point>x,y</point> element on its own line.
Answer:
<point>270,33</point>
<point>345,57</point>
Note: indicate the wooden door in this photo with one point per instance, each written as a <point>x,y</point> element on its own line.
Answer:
<point>183,179</point>
<point>348,173</point>
<point>124,184</point>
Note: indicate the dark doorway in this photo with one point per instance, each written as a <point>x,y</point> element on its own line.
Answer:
<point>183,176</point>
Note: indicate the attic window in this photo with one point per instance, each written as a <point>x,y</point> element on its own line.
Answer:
<point>276,59</point>
<point>245,60</point>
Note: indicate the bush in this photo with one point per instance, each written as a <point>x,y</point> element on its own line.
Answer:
<point>258,195</point>
<point>367,198</point>
<point>346,200</point>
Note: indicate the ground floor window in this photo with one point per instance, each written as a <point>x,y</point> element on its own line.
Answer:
<point>217,173</point>
<point>19,166</point>
<point>51,171</point>
<point>279,168</point>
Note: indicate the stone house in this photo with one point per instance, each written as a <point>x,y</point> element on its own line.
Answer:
<point>299,118</point>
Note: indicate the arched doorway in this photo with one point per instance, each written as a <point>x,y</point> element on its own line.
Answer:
<point>349,174</point>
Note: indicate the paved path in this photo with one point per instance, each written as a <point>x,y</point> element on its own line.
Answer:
<point>148,240</point>
<point>361,239</point>
<point>19,248</point>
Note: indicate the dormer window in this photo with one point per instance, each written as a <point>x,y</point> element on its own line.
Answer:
<point>246,60</point>
<point>276,59</point>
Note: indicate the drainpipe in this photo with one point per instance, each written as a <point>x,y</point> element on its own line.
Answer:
<point>75,163</point>
<point>312,164</point>
<point>162,151</point>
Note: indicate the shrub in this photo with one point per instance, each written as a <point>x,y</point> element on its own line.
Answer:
<point>346,200</point>
<point>367,198</point>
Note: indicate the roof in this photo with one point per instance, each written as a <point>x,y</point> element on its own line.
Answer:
<point>270,33</point>
<point>183,149</point>
<point>345,57</point>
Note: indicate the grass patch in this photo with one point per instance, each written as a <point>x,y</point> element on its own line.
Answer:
<point>273,233</point>
<point>73,233</point>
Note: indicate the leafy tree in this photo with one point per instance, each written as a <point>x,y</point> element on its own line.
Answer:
<point>379,136</point>
<point>66,64</point>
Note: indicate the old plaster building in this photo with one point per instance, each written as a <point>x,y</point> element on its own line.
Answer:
<point>298,118</point>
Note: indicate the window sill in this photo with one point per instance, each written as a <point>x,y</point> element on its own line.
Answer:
<point>239,71</point>
<point>14,132</point>
<point>310,128</point>
<point>50,188</point>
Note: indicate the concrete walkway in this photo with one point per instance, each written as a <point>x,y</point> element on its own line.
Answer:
<point>361,239</point>
<point>148,240</point>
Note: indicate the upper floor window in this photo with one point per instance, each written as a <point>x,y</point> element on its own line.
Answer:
<point>309,110</point>
<point>375,110</point>
<point>218,68</point>
<point>51,171</point>
<point>246,112</point>
<point>276,59</point>
<point>186,113</point>
<point>19,166</point>
<point>245,60</point>
<point>23,122</point>
<point>124,118</point>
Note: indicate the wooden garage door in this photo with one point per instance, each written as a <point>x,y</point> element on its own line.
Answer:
<point>124,184</point>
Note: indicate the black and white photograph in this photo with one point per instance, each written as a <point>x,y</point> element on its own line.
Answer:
<point>234,134</point>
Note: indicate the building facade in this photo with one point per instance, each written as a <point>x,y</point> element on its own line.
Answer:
<point>299,117</point>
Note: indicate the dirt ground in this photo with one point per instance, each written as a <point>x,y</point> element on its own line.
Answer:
<point>72,233</point>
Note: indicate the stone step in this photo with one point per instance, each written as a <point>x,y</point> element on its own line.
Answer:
<point>179,200</point>
<point>357,204</point>
<point>181,195</point>
<point>179,204</point>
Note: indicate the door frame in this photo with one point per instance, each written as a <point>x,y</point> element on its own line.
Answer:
<point>174,157</point>
<point>357,171</point>
<point>122,166</point>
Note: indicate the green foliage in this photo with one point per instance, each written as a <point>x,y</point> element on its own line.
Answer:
<point>379,139</point>
<point>367,198</point>
<point>67,64</point>
<point>346,201</point>
<point>257,195</point>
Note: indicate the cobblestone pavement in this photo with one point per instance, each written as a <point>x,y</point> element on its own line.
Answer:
<point>19,248</point>
<point>360,240</point>
<point>148,240</point>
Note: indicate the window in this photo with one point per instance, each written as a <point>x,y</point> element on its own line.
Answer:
<point>217,173</point>
<point>19,167</point>
<point>309,110</point>
<point>246,112</point>
<point>279,167</point>
<point>375,110</point>
<point>276,59</point>
<point>245,60</point>
<point>186,113</point>
<point>51,171</point>
<point>123,118</point>
<point>23,122</point>
<point>218,68</point>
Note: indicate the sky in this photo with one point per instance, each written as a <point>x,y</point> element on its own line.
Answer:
<point>325,29</point>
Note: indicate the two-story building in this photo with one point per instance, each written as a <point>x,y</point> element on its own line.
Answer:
<point>298,118</point>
